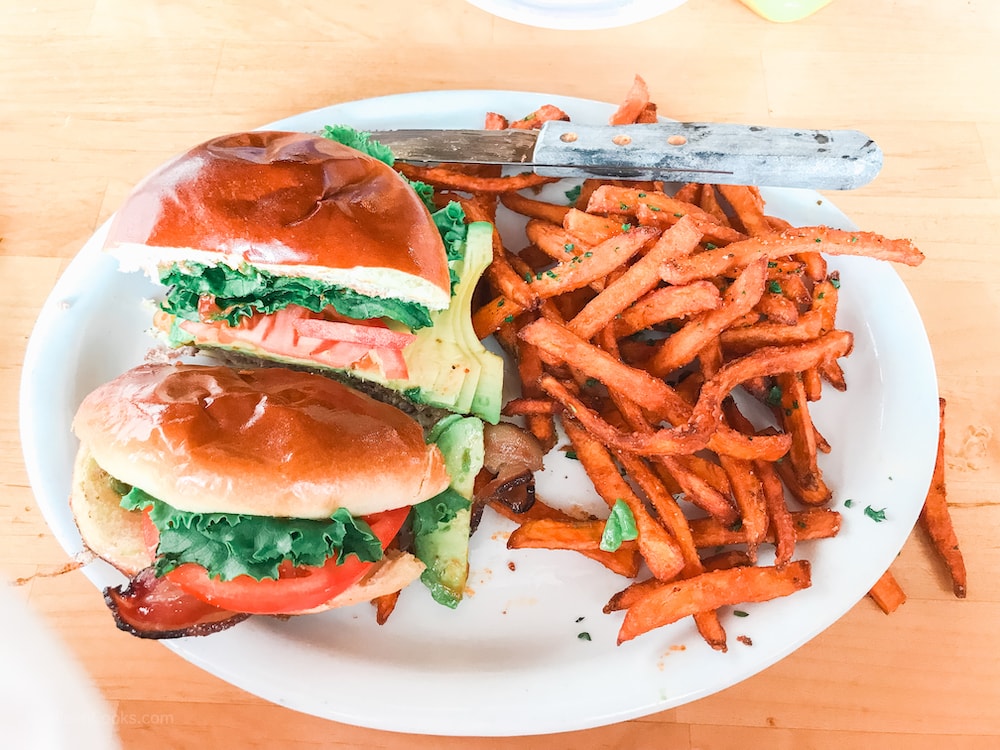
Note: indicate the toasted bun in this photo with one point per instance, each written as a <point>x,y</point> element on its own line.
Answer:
<point>288,203</point>
<point>107,529</point>
<point>273,442</point>
<point>115,535</point>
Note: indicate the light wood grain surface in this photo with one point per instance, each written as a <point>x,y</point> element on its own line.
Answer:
<point>95,93</point>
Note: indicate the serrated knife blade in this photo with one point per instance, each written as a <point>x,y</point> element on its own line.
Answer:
<point>670,151</point>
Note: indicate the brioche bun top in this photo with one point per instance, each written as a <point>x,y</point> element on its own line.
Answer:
<point>288,203</point>
<point>271,442</point>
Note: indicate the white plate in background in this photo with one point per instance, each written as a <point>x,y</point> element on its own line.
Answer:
<point>577,15</point>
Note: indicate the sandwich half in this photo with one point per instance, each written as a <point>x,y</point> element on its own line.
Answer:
<point>297,249</point>
<point>223,493</point>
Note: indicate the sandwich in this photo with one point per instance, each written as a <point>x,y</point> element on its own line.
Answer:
<point>298,249</point>
<point>224,493</point>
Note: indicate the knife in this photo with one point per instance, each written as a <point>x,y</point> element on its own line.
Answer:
<point>668,151</point>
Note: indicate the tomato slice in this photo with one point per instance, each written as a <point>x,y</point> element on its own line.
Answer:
<point>295,332</point>
<point>295,589</point>
<point>335,330</point>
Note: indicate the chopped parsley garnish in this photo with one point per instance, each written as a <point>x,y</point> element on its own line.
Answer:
<point>774,396</point>
<point>878,516</point>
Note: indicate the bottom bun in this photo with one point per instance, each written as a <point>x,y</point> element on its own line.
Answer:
<point>115,535</point>
<point>107,529</point>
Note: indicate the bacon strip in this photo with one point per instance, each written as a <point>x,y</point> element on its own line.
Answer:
<point>151,607</point>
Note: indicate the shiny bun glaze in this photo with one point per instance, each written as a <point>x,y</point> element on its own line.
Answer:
<point>273,442</point>
<point>284,199</point>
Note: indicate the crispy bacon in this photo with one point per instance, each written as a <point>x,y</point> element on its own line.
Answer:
<point>151,607</point>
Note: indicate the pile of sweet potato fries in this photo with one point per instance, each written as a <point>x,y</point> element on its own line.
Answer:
<point>634,315</point>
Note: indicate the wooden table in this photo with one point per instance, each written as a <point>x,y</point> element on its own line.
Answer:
<point>94,93</point>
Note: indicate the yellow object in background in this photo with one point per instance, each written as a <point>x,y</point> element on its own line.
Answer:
<point>784,11</point>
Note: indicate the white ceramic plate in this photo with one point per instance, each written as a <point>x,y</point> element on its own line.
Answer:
<point>509,661</point>
<point>577,15</point>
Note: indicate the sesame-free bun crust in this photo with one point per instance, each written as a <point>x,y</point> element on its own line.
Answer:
<point>288,203</point>
<point>272,442</point>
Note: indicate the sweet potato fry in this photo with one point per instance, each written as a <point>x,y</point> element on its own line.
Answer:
<point>507,281</point>
<point>495,121</point>
<point>832,373</point>
<point>634,103</point>
<point>825,297</point>
<point>749,496</point>
<point>577,536</point>
<point>723,260</point>
<point>812,523</point>
<point>549,533</point>
<point>777,308</point>
<point>487,318</point>
<point>522,407</point>
<point>708,201</point>
<point>640,278</point>
<point>384,605</point>
<point>887,593</point>
<point>648,114</point>
<point>730,558</point>
<point>534,209</point>
<point>594,264</point>
<point>711,590</point>
<point>739,340</point>
<point>795,416</point>
<point>815,264</point>
<point>748,207</point>
<point>667,303</point>
<point>670,513</point>
<point>455,180</point>
<point>535,120</point>
<point>624,561</point>
<point>935,518</point>
<point>631,594</point>
<point>812,383</point>
<point>591,229</point>
<point>698,491</point>
<point>689,192</point>
<point>781,526</point>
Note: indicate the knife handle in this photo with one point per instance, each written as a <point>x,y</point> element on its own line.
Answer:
<point>709,152</point>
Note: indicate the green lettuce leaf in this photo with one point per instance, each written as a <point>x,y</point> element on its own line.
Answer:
<point>228,545</point>
<point>241,292</point>
<point>451,223</point>
<point>620,527</point>
<point>359,141</point>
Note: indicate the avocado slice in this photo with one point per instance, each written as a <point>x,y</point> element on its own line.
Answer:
<point>448,365</point>
<point>441,525</point>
